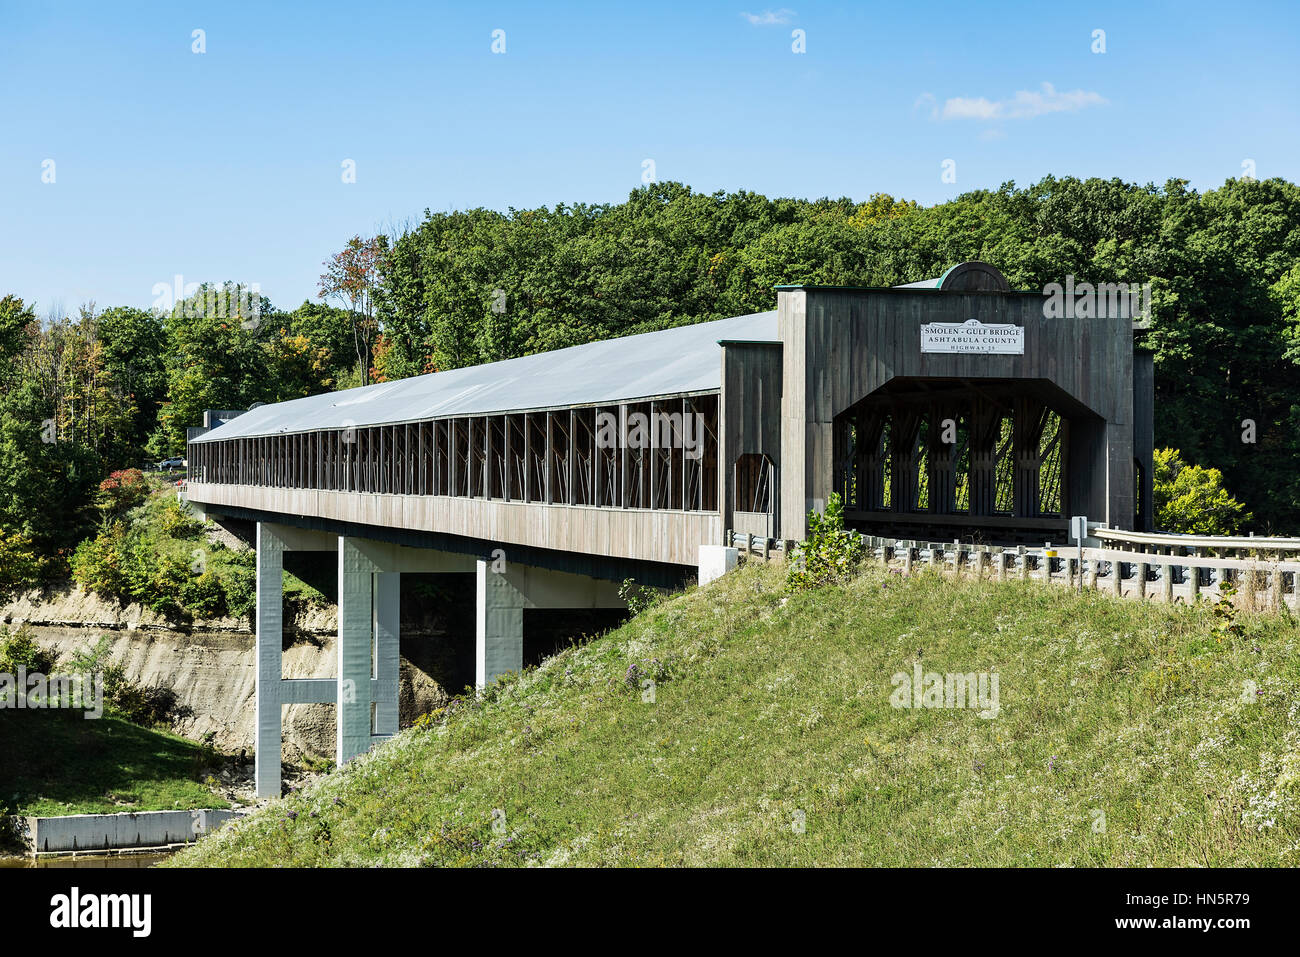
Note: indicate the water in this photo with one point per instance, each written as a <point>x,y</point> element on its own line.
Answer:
<point>106,861</point>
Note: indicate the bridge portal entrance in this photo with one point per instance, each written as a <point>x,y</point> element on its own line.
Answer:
<point>939,457</point>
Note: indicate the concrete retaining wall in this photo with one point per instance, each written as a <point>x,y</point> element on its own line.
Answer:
<point>102,832</point>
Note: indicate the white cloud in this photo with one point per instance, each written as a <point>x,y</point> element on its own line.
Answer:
<point>1024,105</point>
<point>769,17</point>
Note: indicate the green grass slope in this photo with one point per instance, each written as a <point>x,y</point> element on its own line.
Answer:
<point>1128,734</point>
<point>55,762</point>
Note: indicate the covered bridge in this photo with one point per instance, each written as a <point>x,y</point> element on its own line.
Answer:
<point>954,407</point>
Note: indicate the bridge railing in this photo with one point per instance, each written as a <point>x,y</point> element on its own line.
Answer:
<point>1263,581</point>
<point>756,545</point>
<point>1241,546</point>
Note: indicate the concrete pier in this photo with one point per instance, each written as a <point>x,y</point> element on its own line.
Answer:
<point>365,690</point>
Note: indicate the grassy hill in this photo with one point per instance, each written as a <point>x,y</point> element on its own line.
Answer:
<point>55,763</point>
<point>1125,734</point>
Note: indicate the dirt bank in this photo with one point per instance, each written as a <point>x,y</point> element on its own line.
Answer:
<point>212,667</point>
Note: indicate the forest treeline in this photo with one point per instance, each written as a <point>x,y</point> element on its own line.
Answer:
<point>108,388</point>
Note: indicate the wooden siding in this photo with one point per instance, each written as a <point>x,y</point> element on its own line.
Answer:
<point>841,345</point>
<point>671,537</point>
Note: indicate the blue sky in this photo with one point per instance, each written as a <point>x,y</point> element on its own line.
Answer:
<point>228,164</point>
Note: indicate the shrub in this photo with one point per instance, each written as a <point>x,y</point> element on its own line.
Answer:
<point>830,555</point>
<point>142,705</point>
<point>638,597</point>
<point>177,521</point>
<point>19,650</point>
<point>122,490</point>
<point>19,565</point>
<point>203,595</point>
<point>125,566</point>
<point>168,582</point>
<point>97,564</point>
<point>241,591</point>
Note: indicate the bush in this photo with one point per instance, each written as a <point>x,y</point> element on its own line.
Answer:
<point>638,597</point>
<point>97,563</point>
<point>204,596</point>
<point>20,650</point>
<point>241,591</point>
<point>125,566</point>
<point>155,580</point>
<point>19,565</point>
<point>123,698</point>
<point>166,585</point>
<point>177,521</point>
<point>122,490</point>
<point>831,554</point>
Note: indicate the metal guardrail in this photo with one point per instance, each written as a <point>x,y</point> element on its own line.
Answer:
<point>1124,572</point>
<point>1219,542</point>
<point>757,545</point>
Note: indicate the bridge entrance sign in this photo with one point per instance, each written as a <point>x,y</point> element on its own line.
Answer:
<point>972,336</point>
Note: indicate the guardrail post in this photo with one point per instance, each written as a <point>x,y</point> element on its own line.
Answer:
<point>907,560</point>
<point>1142,580</point>
<point>1276,583</point>
<point>1092,574</point>
<point>1167,584</point>
<point>1001,559</point>
<point>1193,581</point>
<point>1023,555</point>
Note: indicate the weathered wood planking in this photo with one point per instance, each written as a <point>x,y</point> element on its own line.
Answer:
<point>655,535</point>
<point>841,345</point>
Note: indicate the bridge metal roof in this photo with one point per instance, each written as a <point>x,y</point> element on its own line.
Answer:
<point>674,361</point>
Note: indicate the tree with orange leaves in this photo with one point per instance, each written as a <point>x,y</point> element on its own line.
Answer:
<point>351,278</point>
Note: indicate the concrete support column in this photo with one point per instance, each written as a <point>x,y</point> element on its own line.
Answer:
<point>499,626</point>
<point>388,598</point>
<point>356,587</point>
<point>270,635</point>
<point>716,561</point>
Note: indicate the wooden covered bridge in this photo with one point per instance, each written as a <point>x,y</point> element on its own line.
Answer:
<point>953,407</point>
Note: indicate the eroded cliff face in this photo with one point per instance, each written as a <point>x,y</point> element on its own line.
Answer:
<point>212,668</point>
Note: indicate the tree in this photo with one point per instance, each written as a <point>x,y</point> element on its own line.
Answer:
<point>1192,500</point>
<point>19,565</point>
<point>16,318</point>
<point>216,359</point>
<point>298,367</point>
<point>134,350</point>
<point>325,327</point>
<point>351,277</point>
